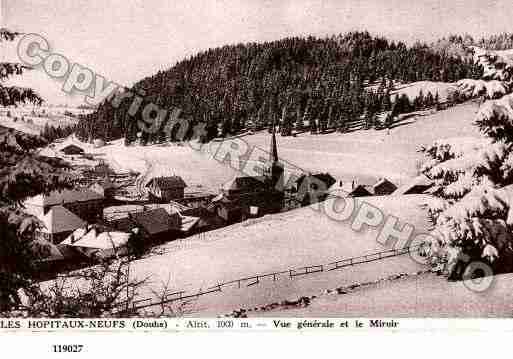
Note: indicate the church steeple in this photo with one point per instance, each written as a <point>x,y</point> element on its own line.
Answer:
<point>273,154</point>
<point>275,169</point>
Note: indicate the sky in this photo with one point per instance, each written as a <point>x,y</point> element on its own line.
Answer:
<point>126,40</point>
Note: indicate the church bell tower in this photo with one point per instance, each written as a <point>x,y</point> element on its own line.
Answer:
<point>275,170</point>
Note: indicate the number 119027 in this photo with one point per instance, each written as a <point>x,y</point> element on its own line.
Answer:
<point>70,348</point>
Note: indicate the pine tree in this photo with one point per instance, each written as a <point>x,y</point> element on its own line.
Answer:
<point>24,174</point>
<point>429,100</point>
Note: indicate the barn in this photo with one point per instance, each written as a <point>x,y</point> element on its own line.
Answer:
<point>165,189</point>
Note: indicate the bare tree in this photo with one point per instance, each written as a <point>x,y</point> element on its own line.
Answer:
<point>99,291</point>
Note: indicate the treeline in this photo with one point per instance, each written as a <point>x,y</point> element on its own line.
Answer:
<point>502,41</point>
<point>460,44</point>
<point>51,133</point>
<point>330,81</point>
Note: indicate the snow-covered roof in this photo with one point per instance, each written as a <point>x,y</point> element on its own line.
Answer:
<point>167,182</point>
<point>63,197</point>
<point>59,220</point>
<point>188,222</point>
<point>420,181</point>
<point>154,221</point>
<point>93,239</point>
<point>348,188</point>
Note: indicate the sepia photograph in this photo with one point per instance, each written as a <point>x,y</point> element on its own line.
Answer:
<point>241,165</point>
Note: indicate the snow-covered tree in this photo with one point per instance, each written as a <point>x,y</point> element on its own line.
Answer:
<point>12,95</point>
<point>473,180</point>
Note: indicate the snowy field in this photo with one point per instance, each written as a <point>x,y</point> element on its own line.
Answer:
<point>36,124</point>
<point>368,155</point>
<point>412,90</point>
<point>420,296</point>
<point>273,243</point>
<point>363,155</point>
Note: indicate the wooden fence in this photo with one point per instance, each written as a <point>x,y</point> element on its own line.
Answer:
<point>256,279</point>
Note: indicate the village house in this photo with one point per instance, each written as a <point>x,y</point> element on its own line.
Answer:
<point>313,188</point>
<point>165,189</point>
<point>230,211</point>
<point>383,187</point>
<point>96,241</point>
<point>244,186</point>
<point>104,187</point>
<point>197,199</point>
<point>157,225</point>
<point>418,185</point>
<point>58,223</point>
<point>349,189</point>
<point>85,203</point>
<point>72,150</point>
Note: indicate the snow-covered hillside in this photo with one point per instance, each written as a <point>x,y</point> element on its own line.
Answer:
<point>275,243</point>
<point>364,155</point>
<point>414,297</point>
<point>30,119</point>
<point>489,89</point>
<point>497,65</point>
<point>412,90</point>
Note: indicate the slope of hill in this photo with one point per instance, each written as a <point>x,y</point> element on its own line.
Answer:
<point>422,296</point>
<point>412,90</point>
<point>25,121</point>
<point>497,65</point>
<point>364,155</point>
<point>276,243</point>
<point>489,89</point>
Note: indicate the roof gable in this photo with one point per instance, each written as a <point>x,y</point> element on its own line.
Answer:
<point>59,220</point>
<point>416,185</point>
<point>245,184</point>
<point>72,149</point>
<point>167,182</point>
<point>154,221</point>
<point>326,178</point>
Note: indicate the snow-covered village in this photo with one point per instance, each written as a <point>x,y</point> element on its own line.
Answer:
<point>334,173</point>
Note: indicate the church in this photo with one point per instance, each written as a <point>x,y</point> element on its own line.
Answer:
<point>253,196</point>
